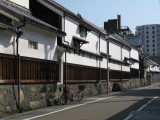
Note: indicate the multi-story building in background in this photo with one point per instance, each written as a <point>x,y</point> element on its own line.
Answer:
<point>150,39</point>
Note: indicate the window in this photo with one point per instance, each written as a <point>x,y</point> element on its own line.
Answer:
<point>153,41</point>
<point>32,45</point>
<point>83,32</point>
<point>147,46</point>
<point>147,37</point>
<point>147,41</point>
<point>153,28</point>
<point>146,28</point>
<point>147,32</point>
<point>153,45</point>
<point>45,14</point>
<point>153,32</point>
<point>153,50</point>
<point>147,50</point>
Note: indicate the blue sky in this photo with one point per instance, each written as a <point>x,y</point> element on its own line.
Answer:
<point>133,12</point>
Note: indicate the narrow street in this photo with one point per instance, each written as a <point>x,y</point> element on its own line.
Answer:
<point>113,107</point>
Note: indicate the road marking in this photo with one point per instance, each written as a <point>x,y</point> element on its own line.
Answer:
<point>99,99</point>
<point>67,108</point>
<point>140,109</point>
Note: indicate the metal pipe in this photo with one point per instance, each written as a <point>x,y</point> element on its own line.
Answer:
<point>99,58</point>
<point>108,68</point>
<point>19,33</point>
<point>121,69</point>
<point>65,64</point>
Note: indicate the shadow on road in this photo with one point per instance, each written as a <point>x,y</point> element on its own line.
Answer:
<point>147,93</point>
<point>121,115</point>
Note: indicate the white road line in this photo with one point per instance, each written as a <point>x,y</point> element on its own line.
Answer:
<point>67,108</point>
<point>99,99</point>
<point>140,109</point>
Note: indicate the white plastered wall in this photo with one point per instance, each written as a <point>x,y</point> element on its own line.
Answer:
<point>7,42</point>
<point>115,51</point>
<point>125,54</point>
<point>135,55</point>
<point>72,29</point>
<point>46,44</point>
<point>24,3</point>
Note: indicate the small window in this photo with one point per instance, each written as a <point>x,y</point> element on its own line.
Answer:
<point>153,32</point>
<point>147,32</point>
<point>153,41</point>
<point>147,41</point>
<point>83,32</point>
<point>153,45</point>
<point>147,46</point>
<point>146,28</point>
<point>153,50</point>
<point>147,37</point>
<point>32,45</point>
<point>153,28</point>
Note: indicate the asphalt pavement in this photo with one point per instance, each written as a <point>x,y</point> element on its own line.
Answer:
<point>149,111</point>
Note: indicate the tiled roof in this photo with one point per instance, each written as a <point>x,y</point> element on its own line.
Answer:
<point>120,39</point>
<point>81,20</point>
<point>4,26</point>
<point>26,14</point>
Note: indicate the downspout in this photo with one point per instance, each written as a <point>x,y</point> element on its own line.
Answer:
<point>100,58</point>
<point>65,64</point>
<point>130,67</point>
<point>121,70</point>
<point>108,69</point>
<point>19,33</point>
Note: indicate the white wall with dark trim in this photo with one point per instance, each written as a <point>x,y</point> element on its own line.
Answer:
<point>46,41</point>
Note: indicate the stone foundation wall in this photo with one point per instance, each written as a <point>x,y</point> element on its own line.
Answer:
<point>32,97</point>
<point>135,83</point>
<point>91,89</point>
<point>155,77</point>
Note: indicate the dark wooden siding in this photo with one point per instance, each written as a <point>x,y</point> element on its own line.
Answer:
<point>31,70</point>
<point>80,73</point>
<point>118,75</point>
<point>115,74</point>
<point>134,73</point>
